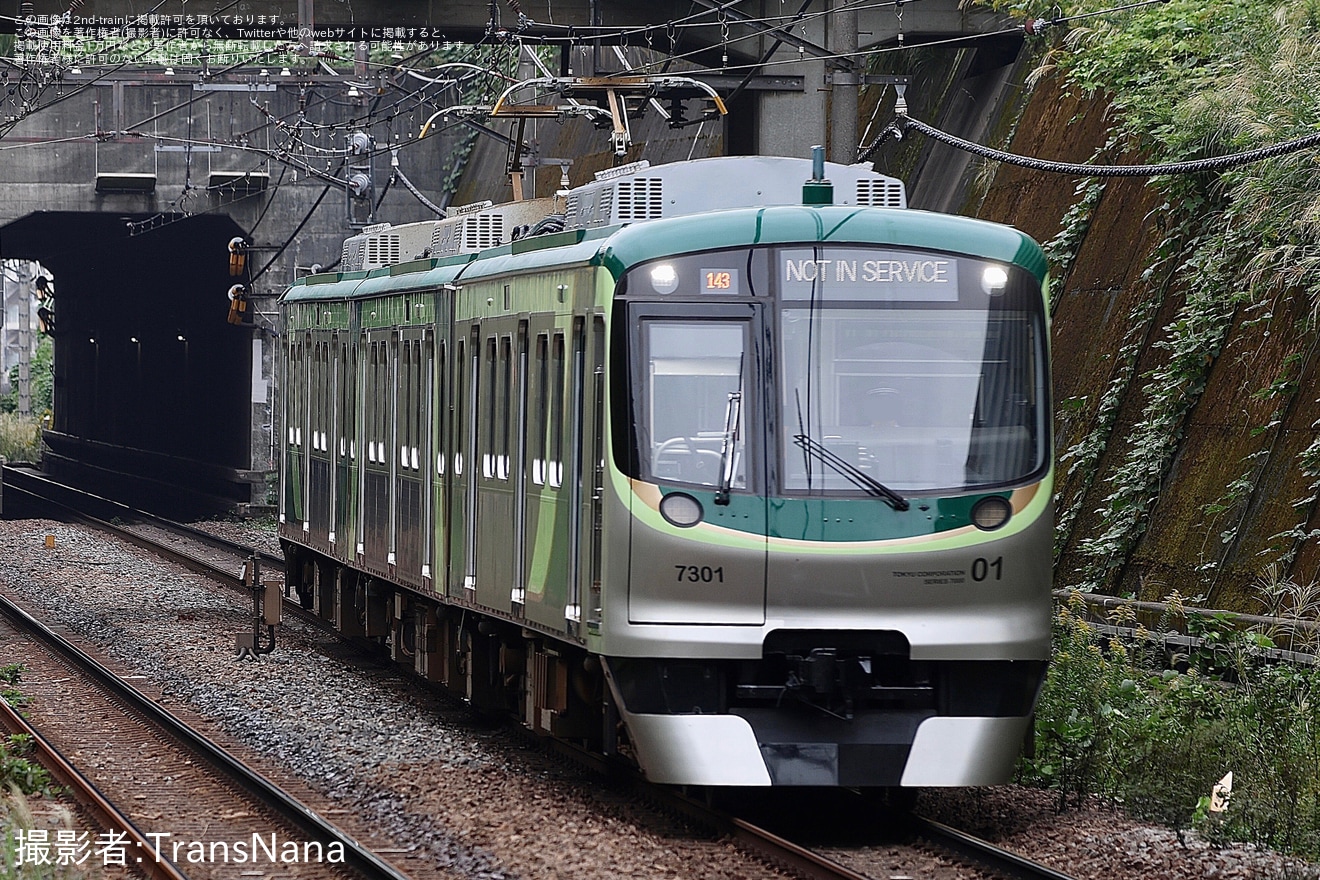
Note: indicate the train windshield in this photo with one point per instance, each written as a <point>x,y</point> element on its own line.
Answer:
<point>858,370</point>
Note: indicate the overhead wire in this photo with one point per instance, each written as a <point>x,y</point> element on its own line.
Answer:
<point>1193,166</point>
<point>280,251</point>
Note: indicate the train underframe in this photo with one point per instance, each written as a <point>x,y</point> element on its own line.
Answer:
<point>819,708</point>
<point>499,666</point>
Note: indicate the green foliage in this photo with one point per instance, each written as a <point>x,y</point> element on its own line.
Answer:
<point>20,438</point>
<point>1189,80</point>
<point>1062,249</point>
<point>1108,723</point>
<point>17,771</point>
<point>41,380</point>
<point>9,678</point>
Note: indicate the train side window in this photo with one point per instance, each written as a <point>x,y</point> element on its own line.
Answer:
<point>345,428</point>
<point>379,411</point>
<point>403,400</point>
<point>350,408</point>
<point>540,409</point>
<point>385,394</point>
<point>369,388</point>
<point>410,412</point>
<point>318,393</point>
<point>388,398</point>
<point>505,392</point>
<point>488,417</point>
<point>440,371</point>
<point>419,403</point>
<point>313,389</point>
<point>291,408</point>
<point>555,454</point>
<point>323,386</point>
<point>295,368</point>
<point>295,382</point>
<point>369,397</point>
<point>523,381</point>
<point>418,407</point>
<point>460,403</point>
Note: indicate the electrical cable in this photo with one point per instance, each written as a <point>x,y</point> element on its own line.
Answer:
<point>383,191</point>
<point>288,241</point>
<point>421,197</point>
<point>270,201</point>
<point>1195,166</point>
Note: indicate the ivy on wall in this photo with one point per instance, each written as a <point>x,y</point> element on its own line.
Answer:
<point>1189,80</point>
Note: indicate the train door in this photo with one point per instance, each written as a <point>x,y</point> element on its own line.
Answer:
<point>700,434</point>
<point>409,455</point>
<point>518,593</point>
<point>292,511</point>
<point>344,444</point>
<point>378,404</point>
<point>437,533</point>
<point>463,434</point>
<point>583,477</point>
<point>593,510</point>
<point>320,413</point>
<point>546,513</point>
<point>426,442</point>
<point>492,471</point>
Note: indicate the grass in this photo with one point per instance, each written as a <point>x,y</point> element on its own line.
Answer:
<point>29,814</point>
<point>1114,722</point>
<point>20,816</point>
<point>20,438</point>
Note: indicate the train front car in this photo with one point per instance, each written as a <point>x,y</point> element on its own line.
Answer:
<point>833,438</point>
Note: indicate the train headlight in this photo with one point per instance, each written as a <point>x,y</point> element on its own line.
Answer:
<point>681,510</point>
<point>991,512</point>
<point>664,279</point>
<point>994,279</point>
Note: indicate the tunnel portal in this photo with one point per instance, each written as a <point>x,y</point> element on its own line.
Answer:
<point>154,388</point>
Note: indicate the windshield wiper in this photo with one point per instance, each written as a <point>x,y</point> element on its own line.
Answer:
<point>854,474</point>
<point>732,415</point>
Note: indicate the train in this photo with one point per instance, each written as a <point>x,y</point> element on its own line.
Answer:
<point>737,469</point>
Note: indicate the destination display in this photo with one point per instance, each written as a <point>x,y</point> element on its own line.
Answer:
<point>867,274</point>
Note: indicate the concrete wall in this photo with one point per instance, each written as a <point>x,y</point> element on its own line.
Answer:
<point>126,131</point>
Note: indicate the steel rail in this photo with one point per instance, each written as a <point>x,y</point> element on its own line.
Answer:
<point>982,852</point>
<point>750,837</point>
<point>85,792</point>
<point>799,859</point>
<point>28,481</point>
<point>815,866</point>
<point>292,810</point>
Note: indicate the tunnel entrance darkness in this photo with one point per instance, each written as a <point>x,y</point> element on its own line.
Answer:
<point>153,386</point>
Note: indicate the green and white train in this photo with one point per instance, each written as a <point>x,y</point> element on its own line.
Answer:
<point>732,470</point>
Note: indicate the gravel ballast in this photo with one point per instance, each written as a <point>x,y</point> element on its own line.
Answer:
<point>474,800</point>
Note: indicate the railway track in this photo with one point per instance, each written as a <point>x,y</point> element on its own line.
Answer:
<point>193,792</point>
<point>108,817</point>
<point>194,548</point>
<point>913,830</point>
<point>223,560</point>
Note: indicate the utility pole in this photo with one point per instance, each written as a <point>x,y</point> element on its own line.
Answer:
<point>522,169</point>
<point>844,82</point>
<point>306,28</point>
<point>26,276</point>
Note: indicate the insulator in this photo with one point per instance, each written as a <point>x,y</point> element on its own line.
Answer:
<point>359,143</point>
<point>359,185</point>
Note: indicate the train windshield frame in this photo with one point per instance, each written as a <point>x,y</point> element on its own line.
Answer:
<point>920,370</point>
